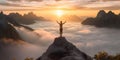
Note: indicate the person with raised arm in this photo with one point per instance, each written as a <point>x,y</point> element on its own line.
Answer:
<point>61,23</point>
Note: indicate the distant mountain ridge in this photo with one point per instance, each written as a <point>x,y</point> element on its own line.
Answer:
<point>29,18</point>
<point>103,19</point>
<point>73,18</point>
<point>6,27</point>
<point>61,49</point>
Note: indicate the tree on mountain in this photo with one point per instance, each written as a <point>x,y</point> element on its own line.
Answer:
<point>105,56</point>
<point>28,58</point>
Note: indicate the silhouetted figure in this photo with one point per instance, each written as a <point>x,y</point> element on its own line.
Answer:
<point>61,27</point>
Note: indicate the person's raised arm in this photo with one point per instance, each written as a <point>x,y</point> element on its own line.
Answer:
<point>64,22</point>
<point>57,22</point>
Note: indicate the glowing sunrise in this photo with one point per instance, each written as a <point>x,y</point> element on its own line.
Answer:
<point>59,13</point>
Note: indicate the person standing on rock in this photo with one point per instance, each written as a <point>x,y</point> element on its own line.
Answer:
<point>61,23</point>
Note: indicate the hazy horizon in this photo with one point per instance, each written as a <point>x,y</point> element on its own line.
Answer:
<point>47,8</point>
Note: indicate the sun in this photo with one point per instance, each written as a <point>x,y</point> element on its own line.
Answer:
<point>59,13</point>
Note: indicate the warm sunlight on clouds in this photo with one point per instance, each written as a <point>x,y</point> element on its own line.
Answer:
<point>59,13</point>
<point>65,4</point>
<point>85,31</point>
<point>52,8</point>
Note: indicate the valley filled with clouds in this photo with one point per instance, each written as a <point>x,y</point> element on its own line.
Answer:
<point>88,39</point>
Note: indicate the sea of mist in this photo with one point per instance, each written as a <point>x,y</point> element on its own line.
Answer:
<point>88,39</point>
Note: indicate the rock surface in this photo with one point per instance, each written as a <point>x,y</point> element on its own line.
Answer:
<point>61,49</point>
<point>26,19</point>
<point>103,19</point>
<point>7,29</point>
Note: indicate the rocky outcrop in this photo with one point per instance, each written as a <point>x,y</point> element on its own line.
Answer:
<point>61,49</point>
<point>103,19</point>
<point>7,29</point>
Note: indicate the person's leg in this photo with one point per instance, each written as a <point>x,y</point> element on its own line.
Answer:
<point>61,32</point>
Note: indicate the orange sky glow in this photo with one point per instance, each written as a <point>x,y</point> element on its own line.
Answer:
<point>48,8</point>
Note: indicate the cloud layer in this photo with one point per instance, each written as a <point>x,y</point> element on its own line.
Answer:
<point>88,39</point>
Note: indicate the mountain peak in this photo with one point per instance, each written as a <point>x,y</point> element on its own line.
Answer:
<point>111,13</point>
<point>7,30</point>
<point>103,19</point>
<point>101,13</point>
<point>61,49</point>
<point>60,40</point>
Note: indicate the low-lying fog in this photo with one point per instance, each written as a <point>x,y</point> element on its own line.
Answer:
<point>88,39</point>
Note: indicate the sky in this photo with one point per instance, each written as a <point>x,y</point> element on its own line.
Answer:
<point>56,4</point>
<point>46,8</point>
